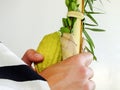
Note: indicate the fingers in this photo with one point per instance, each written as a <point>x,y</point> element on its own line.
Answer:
<point>86,73</point>
<point>89,85</point>
<point>90,73</point>
<point>32,56</point>
<point>85,58</point>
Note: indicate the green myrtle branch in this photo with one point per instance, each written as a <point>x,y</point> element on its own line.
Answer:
<point>68,22</point>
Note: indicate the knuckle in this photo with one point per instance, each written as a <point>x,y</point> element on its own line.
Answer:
<point>83,71</point>
<point>90,85</point>
<point>90,73</point>
<point>30,51</point>
<point>86,72</point>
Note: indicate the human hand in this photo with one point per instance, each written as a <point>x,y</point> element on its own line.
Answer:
<point>31,56</point>
<point>73,73</point>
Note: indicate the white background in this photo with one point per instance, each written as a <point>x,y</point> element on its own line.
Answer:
<point>23,23</point>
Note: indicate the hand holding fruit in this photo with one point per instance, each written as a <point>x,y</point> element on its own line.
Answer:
<point>73,73</point>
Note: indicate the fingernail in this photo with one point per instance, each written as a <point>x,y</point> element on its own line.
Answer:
<point>37,55</point>
<point>91,56</point>
<point>90,59</point>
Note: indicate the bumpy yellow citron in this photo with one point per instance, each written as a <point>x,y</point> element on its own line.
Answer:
<point>50,48</point>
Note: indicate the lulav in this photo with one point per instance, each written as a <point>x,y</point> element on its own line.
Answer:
<point>66,42</point>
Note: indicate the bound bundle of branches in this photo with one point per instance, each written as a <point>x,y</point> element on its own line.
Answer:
<point>68,41</point>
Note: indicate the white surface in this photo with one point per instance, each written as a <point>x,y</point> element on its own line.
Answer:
<point>24,22</point>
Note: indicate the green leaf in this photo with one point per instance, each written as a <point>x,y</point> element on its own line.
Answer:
<point>64,30</point>
<point>73,6</point>
<point>96,29</point>
<point>91,46</point>
<point>90,5</point>
<point>86,48</point>
<point>73,21</point>
<point>101,2</point>
<point>93,12</point>
<point>65,23</point>
<point>74,1</point>
<point>92,1</point>
<point>88,38</point>
<point>88,24</point>
<point>69,21</point>
<point>67,2</point>
<point>85,3</point>
<point>90,16</point>
<point>94,57</point>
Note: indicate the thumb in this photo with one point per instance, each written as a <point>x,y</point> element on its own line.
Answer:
<point>31,56</point>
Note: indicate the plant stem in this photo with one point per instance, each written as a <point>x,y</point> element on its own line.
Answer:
<point>81,24</point>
